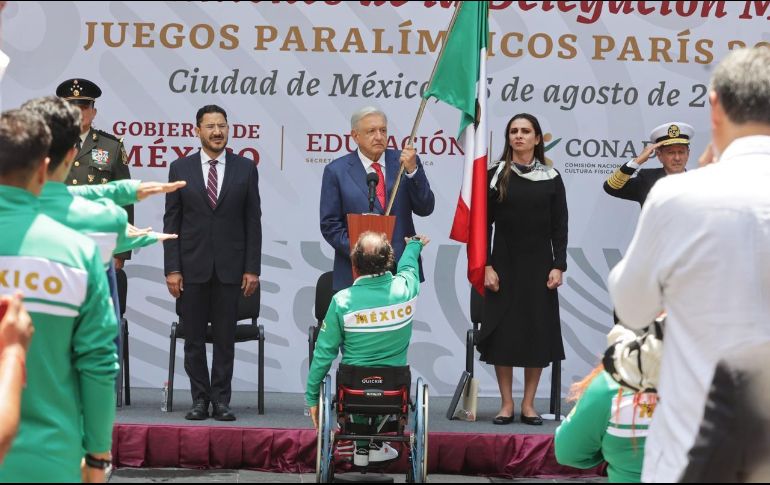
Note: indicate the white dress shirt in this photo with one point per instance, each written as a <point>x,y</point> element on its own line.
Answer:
<point>220,169</point>
<point>701,251</point>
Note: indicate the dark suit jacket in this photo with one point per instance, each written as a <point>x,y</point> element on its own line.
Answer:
<point>228,239</point>
<point>638,187</point>
<point>733,444</point>
<point>344,191</point>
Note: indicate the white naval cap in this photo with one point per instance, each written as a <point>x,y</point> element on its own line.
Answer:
<point>672,133</point>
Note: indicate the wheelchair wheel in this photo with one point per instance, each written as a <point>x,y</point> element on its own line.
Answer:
<point>418,452</point>
<point>324,466</point>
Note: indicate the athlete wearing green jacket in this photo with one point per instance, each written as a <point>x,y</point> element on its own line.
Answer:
<point>125,192</point>
<point>102,220</point>
<point>606,425</point>
<point>372,320</point>
<point>122,192</point>
<point>68,406</point>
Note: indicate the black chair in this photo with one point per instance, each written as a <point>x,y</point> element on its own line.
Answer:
<point>556,390</point>
<point>323,298</point>
<point>248,309</point>
<point>122,281</point>
<point>477,312</point>
<point>477,307</point>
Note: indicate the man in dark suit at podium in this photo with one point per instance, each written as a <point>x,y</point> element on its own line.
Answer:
<point>344,190</point>
<point>218,253</point>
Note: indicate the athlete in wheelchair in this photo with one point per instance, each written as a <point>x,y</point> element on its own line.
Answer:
<point>372,404</point>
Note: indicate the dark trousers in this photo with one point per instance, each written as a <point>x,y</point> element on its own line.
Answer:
<point>200,304</point>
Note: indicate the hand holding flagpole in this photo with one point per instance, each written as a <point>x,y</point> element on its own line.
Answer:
<point>460,80</point>
<point>420,111</point>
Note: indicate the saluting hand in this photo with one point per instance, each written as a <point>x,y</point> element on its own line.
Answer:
<point>420,237</point>
<point>147,189</point>
<point>133,231</point>
<point>647,152</point>
<point>708,156</point>
<point>162,236</point>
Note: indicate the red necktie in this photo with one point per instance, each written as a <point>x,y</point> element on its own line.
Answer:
<point>211,186</point>
<point>381,184</point>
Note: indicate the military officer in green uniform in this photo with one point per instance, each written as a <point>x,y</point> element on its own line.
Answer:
<point>101,157</point>
<point>671,143</point>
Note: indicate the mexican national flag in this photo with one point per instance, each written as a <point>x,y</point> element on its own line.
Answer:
<point>460,80</point>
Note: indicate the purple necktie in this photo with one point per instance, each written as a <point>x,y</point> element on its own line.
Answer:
<point>211,186</point>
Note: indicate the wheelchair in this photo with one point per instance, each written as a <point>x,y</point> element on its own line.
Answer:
<point>380,396</point>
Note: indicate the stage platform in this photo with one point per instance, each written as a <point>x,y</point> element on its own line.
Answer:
<point>282,440</point>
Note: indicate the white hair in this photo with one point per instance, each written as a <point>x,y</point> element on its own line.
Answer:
<point>363,113</point>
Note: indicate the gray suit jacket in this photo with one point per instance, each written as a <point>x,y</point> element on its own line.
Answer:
<point>733,444</point>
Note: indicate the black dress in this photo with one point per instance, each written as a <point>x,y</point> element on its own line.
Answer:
<point>521,325</point>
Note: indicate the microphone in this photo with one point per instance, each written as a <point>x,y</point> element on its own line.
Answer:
<point>372,179</point>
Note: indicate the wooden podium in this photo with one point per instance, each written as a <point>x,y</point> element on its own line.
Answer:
<point>360,223</point>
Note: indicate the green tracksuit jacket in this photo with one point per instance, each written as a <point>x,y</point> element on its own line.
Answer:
<point>606,424</point>
<point>68,405</point>
<point>122,192</point>
<point>101,219</point>
<point>372,320</point>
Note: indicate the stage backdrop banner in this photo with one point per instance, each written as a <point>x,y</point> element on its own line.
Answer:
<point>598,75</point>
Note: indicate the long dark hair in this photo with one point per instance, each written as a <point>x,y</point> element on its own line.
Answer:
<point>507,155</point>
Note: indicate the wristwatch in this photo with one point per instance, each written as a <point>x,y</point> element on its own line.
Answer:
<point>97,463</point>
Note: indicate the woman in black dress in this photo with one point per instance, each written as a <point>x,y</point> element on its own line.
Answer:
<point>528,207</point>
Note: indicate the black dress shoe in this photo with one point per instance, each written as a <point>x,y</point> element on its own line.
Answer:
<point>222,412</point>
<point>503,420</point>
<point>532,420</point>
<point>199,411</point>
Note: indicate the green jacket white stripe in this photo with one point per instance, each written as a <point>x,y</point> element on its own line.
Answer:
<point>101,219</point>
<point>372,320</point>
<point>122,192</point>
<point>68,405</point>
<point>606,426</point>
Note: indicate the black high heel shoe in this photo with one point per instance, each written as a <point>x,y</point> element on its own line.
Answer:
<point>532,420</point>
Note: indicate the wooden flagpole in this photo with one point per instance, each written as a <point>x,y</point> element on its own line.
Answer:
<point>424,101</point>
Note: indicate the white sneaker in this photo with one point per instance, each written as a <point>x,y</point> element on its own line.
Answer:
<point>361,458</point>
<point>382,452</point>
